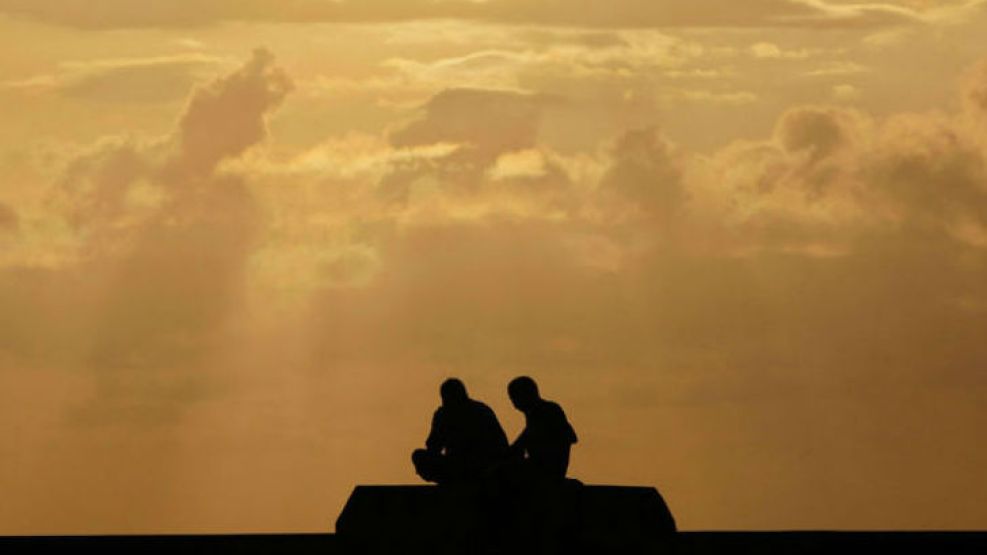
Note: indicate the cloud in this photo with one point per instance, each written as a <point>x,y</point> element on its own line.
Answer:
<point>829,190</point>
<point>194,243</point>
<point>844,92</point>
<point>576,13</point>
<point>647,172</point>
<point>835,179</point>
<point>770,50</point>
<point>227,117</point>
<point>154,79</point>
<point>820,132</point>
<point>975,89</point>
<point>487,127</point>
<point>932,176</point>
<point>487,69</point>
<point>822,205</point>
<point>729,98</point>
<point>165,237</point>
<point>706,13</point>
<point>837,68</point>
<point>490,121</point>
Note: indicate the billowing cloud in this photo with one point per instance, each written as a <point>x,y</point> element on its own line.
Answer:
<point>645,171</point>
<point>167,235</point>
<point>832,180</point>
<point>580,13</point>
<point>227,117</point>
<point>975,89</point>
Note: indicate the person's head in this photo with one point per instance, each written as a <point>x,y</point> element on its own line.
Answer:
<point>453,392</point>
<point>523,392</point>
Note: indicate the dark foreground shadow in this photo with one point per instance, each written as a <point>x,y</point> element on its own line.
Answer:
<point>682,543</point>
<point>570,518</point>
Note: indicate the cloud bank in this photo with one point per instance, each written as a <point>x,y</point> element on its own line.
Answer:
<point>576,13</point>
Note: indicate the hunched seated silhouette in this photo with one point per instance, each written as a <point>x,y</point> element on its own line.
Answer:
<point>465,440</point>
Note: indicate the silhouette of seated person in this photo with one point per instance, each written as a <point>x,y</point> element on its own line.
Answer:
<point>547,438</point>
<point>540,505</point>
<point>465,441</point>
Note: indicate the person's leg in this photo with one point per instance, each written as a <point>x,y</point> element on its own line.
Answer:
<point>505,492</point>
<point>562,462</point>
<point>551,464</point>
<point>551,509</point>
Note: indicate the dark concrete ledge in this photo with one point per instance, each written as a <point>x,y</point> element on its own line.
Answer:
<point>806,542</point>
<point>178,544</point>
<point>682,543</point>
<point>565,516</point>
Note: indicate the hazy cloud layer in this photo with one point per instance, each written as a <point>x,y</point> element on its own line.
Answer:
<point>580,13</point>
<point>122,80</point>
<point>8,219</point>
<point>779,320</point>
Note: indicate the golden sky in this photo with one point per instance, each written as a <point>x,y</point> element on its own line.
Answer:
<point>744,244</point>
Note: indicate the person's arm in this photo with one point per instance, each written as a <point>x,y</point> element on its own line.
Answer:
<point>498,431</point>
<point>572,433</point>
<point>437,435</point>
<point>520,444</point>
<point>568,433</point>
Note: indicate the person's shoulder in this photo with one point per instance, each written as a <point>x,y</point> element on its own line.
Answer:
<point>553,407</point>
<point>480,406</point>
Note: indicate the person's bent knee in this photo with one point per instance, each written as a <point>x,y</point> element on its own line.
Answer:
<point>419,456</point>
<point>428,465</point>
<point>424,463</point>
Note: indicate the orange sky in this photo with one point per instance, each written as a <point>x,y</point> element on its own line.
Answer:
<point>744,244</point>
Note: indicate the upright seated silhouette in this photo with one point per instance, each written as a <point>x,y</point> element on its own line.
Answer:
<point>547,438</point>
<point>465,441</point>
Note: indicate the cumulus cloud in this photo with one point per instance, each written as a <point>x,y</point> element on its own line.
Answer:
<point>819,132</point>
<point>166,234</point>
<point>584,13</point>
<point>227,117</point>
<point>491,133</point>
<point>646,171</point>
<point>833,182</point>
<point>933,176</point>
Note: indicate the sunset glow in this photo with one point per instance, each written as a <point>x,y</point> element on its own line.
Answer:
<point>743,243</point>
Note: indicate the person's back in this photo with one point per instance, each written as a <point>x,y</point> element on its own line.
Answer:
<point>547,436</point>
<point>469,434</point>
